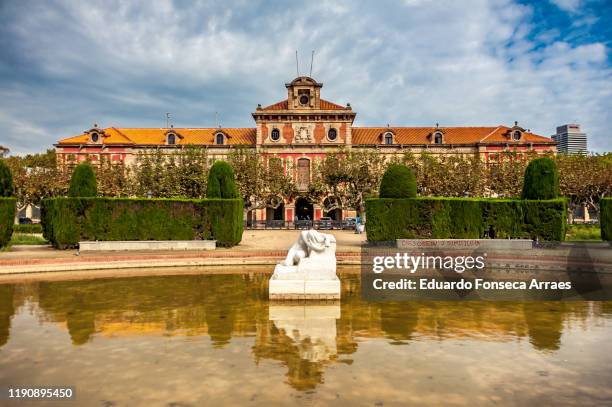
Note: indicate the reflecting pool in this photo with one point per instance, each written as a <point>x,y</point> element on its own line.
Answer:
<point>215,339</point>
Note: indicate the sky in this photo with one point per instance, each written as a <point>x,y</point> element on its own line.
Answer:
<point>65,65</point>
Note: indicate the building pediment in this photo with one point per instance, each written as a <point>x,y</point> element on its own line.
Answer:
<point>303,81</point>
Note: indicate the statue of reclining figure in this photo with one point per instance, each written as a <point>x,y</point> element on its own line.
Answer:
<point>309,243</point>
<point>309,270</point>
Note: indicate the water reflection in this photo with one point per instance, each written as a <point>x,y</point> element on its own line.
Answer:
<point>305,339</point>
<point>7,310</point>
<point>302,337</point>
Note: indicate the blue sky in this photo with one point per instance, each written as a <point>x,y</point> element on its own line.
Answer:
<point>68,64</point>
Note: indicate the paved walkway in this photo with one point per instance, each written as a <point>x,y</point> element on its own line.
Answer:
<point>267,247</point>
<point>258,247</point>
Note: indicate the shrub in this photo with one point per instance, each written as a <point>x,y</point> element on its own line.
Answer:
<point>66,221</point>
<point>464,218</point>
<point>605,218</point>
<point>7,219</point>
<point>398,181</point>
<point>7,188</point>
<point>83,181</point>
<point>541,180</point>
<point>221,182</point>
<point>28,228</point>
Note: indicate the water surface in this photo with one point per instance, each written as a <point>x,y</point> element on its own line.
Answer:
<point>192,340</point>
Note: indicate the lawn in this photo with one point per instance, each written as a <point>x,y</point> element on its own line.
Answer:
<point>27,238</point>
<point>583,233</point>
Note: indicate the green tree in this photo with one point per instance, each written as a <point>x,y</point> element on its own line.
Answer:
<point>181,173</point>
<point>261,180</point>
<point>191,172</point>
<point>221,182</point>
<point>83,181</point>
<point>38,176</point>
<point>398,181</point>
<point>541,180</point>
<point>504,174</point>
<point>353,176</point>
<point>585,179</point>
<point>112,178</point>
<point>7,188</point>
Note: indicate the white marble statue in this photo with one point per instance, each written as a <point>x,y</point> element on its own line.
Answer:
<point>309,268</point>
<point>309,244</point>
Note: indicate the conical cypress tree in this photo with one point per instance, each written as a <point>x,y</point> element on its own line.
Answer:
<point>398,181</point>
<point>7,188</point>
<point>83,181</point>
<point>221,183</point>
<point>541,180</point>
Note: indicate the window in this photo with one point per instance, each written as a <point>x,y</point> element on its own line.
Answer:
<point>516,135</point>
<point>276,164</point>
<point>219,138</point>
<point>388,138</point>
<point>304,99</point>
<point>171,139</point>
<point>275,135</point>
<point>438,138</point>
<point>95,137</point>
<point>303,174</point>
<point>332,134</point>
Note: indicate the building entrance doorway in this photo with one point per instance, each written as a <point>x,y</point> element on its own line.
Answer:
<point>277,213</point>
<point>334,214</point>
<point>304,209</point>
<point>332,208</point>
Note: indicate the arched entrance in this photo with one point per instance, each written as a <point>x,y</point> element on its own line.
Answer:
<point>277,213</point>
<point>275,208</point>
<point>334,214</point>
<point>304,209</point>
<point>332,208</point>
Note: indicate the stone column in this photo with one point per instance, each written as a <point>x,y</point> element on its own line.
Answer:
<point>587,216</point>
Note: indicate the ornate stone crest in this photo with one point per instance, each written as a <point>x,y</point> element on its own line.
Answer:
<point>303,135</point>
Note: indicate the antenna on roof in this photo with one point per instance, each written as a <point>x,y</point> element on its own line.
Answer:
<point>167,119</point>
<point>311,59</point>
<point>297,64</point>
<point>217,123</point>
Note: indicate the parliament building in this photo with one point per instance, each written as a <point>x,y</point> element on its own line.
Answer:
<point>299,130</point>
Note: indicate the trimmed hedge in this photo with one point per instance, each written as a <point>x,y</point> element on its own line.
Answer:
<point>398,181</point>
<point>7,188</point>
<point>541,179</point>
<point>66,221</point>
<point>8,207</point>
<point>83,181</point>
<point>464,218</point>
<point>221,181</point>
<point>28,228</point>
<point>605,218</point>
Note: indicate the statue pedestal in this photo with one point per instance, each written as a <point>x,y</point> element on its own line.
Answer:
<point>303,289</point>
<point>313,278</point>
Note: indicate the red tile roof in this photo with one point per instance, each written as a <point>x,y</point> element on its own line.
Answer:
<point>452,135</point>
<point>360,136</point>
<point>144,136</point>
<point>284,105</point>
<point>326,105</point>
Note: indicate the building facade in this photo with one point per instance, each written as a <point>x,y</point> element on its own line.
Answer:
<point>571,140</point>
<point>300,130</point>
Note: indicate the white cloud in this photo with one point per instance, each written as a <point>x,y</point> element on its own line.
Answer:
<point>567,5</point>
<point>456,63</point>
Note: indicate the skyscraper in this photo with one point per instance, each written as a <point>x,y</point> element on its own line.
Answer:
<point>571,140</point>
